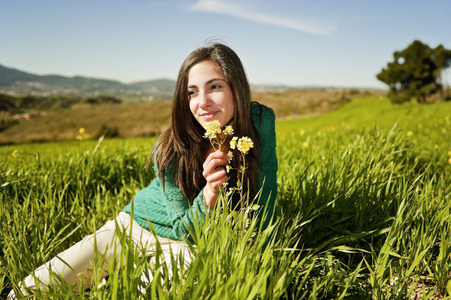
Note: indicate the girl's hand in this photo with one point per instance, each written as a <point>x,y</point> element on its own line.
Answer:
<point>215,174</point>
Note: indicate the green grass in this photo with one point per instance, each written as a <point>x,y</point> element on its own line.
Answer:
<point>364,212</point>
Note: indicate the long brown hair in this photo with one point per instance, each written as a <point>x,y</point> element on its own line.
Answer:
<point>182,145</point>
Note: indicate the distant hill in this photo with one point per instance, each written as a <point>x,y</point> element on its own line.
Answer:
<point>19,83</point>
<point>16,82</point>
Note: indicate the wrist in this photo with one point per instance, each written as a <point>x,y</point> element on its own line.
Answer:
<point>209,197</point>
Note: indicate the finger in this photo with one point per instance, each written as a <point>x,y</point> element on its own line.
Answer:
<point>212,165</point>
<point>215,173</point>
<point>216,183</point>
<point>216,155</point>
<point>216,176</point>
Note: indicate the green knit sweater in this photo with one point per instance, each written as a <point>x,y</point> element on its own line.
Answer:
<point>170,212</point>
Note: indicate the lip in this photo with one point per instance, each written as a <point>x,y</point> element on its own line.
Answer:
<point>209,115</point>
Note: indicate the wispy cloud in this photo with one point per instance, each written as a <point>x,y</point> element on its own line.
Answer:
<point>237,9</point>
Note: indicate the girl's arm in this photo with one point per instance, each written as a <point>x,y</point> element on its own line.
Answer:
<point>181,214</point>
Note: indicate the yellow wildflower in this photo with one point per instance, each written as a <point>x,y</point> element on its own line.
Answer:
<point>435,146</point>
<point>229,156</point>
<point>305,144</point>
<point>228,130</point>
<point>233,142</point>
<point>82,134</point>
<point>449,153</point>
<point>319,133</point>
<point>212,128</point>
<point>228,168</point>
<point>244,144</point>
<point>409,133</point>
<point>449,160</point>
<point>16,153</point>
<point>302,132</point>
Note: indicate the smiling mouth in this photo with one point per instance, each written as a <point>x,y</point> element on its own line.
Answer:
<point>209,115</point>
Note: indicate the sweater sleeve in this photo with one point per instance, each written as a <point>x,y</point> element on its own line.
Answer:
<point>268,165</point>
<point>183,216</point>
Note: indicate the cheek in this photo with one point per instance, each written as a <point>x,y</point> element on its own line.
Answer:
<point>192,108</point>
<point>230,105</point>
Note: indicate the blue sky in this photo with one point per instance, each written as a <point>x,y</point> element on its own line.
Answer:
<point>291,42</point>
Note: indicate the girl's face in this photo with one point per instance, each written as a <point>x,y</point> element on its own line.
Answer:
<point>210,97</point>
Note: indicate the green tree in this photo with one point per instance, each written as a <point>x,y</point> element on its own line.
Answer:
<point>415,72</point>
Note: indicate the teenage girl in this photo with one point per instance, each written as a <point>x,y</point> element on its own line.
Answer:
<point>211,85</point>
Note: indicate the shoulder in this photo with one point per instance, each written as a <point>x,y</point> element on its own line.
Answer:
<point>263,110</point>
<point>262,116</point>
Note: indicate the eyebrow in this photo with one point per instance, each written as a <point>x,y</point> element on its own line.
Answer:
<point>209,81</point>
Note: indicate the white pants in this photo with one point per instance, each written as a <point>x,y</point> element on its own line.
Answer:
<point>78,261</point>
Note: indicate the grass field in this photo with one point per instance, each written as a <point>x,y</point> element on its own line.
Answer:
<point>364,212</point>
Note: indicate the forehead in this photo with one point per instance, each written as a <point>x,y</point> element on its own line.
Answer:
<point>205,70</point>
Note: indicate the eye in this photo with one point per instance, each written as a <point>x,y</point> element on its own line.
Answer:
<point>216,86</point>
<point>191,93</point>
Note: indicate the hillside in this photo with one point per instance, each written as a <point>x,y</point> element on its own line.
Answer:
<point>16,82</point>
<point>35,108</point>
<point>147,119</point>
<point>19,83</point>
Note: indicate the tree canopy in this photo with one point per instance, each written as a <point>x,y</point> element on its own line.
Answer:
<point>415,72</point>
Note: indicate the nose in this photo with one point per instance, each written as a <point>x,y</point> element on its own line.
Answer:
<point>204,99</point>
